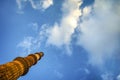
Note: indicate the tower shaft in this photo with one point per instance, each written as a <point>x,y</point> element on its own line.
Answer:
<point>19,66</point>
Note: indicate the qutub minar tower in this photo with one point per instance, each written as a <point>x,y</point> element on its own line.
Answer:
<point>19,66</point>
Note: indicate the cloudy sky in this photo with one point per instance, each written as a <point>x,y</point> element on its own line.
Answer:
<point>80,38</point>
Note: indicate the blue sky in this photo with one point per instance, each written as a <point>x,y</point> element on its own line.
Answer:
<point>80,38</point>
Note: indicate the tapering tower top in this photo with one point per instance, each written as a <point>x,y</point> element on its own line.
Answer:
<point>19,66</point>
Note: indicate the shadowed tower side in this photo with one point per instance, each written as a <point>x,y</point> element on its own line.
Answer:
<point>19,66</point>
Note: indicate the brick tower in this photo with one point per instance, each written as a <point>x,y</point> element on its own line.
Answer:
<point>19,66</point>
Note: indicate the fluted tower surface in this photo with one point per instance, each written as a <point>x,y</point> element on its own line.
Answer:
<point>19,66</point>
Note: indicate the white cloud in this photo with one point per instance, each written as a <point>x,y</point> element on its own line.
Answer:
<point>32,44</point>
<point>26,44</point>
<point>41,4</point>
<point>87,10</point>
<point>36,4</point>
<point>19,3</point>
<point>100,32</point>
<point>60,34</point>
<point>29,44</point>
<point>47,3</point>
<point>107,76</point>
<point>118,77</point>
